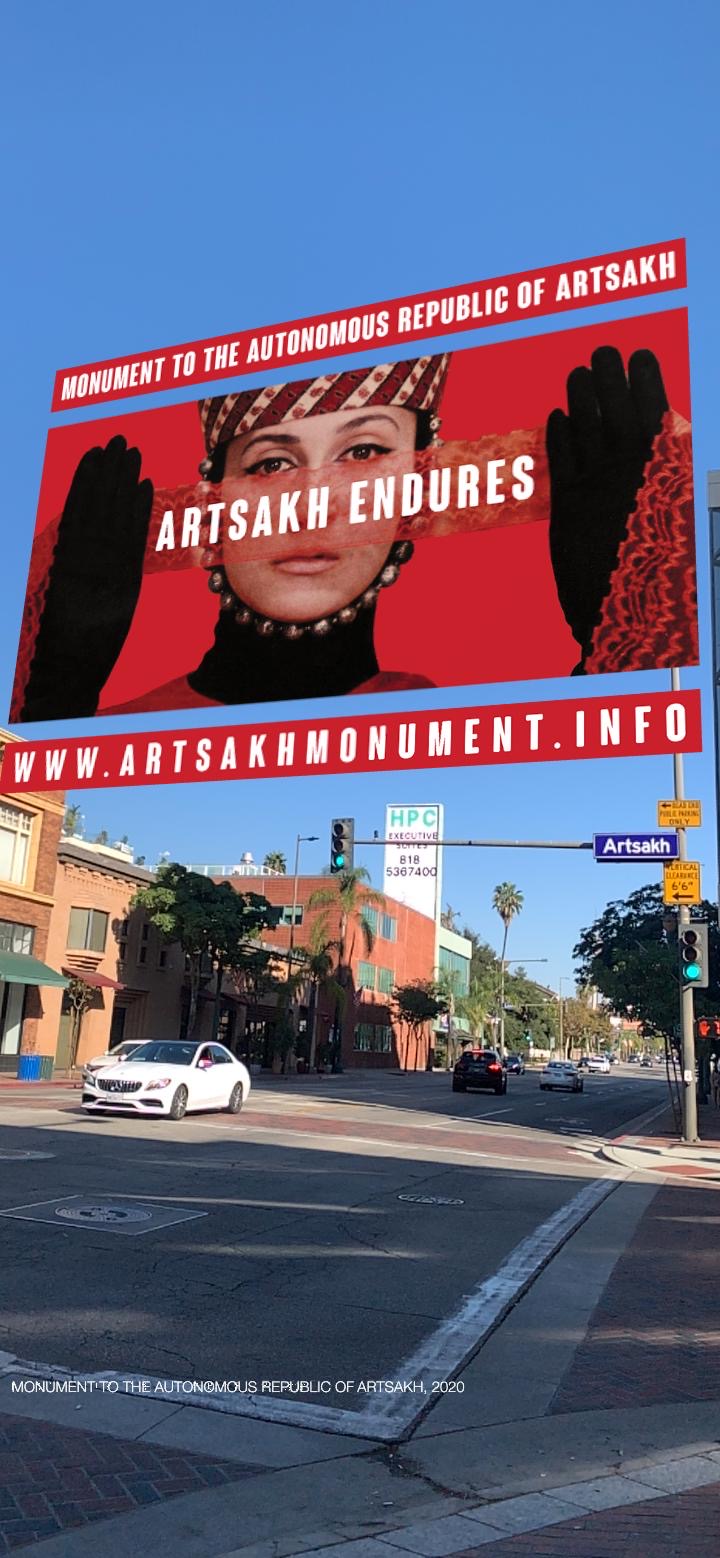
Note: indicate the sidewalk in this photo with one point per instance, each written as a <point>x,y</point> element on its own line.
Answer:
<point>590,1420</point>
<point>663,1154</point>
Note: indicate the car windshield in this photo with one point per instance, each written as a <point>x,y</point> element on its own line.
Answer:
<point>125,1049</point>
<point>481,1054</point>
<point>166,1053</point>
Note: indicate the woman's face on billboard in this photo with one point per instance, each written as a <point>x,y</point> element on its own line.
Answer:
<point>312,578</point>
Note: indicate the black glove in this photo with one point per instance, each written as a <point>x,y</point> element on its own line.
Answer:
<point>94,584</point>
<point>597,456</point>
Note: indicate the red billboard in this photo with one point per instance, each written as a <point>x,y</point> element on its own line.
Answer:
<point>499,513</point>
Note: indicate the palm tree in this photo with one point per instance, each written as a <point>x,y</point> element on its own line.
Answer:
<point>508,900</point>
<point>275,861</point>
<point>348,895</point>
<point>316,970</point>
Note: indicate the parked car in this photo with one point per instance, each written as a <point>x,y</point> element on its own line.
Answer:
<point>560,1074</point>
<point>646,1060</point>
<point>111,1057</point>
<point>515,1064</point>
<point>479,1068</point>
<point>583,1063</point>
<point>599,1063</point>
<point>169,1077</point>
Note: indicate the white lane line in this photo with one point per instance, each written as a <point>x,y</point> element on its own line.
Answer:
<point>439,1357</point>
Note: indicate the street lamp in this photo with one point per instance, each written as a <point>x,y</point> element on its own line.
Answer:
<point>505,963</point>
<point>302,838</point>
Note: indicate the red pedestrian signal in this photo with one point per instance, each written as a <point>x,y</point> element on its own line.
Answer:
<point>707,1028</point>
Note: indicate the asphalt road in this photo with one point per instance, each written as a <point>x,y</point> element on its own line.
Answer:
<point>303,1263</point>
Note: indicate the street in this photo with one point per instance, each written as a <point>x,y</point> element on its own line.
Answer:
<point>326,1233</point>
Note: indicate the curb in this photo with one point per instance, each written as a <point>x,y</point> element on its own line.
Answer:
<point>529,1512</point>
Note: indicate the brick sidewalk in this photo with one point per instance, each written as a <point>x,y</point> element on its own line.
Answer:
<point>53,1479</point>
<point>684,1525</point>
<point>653,1336</point>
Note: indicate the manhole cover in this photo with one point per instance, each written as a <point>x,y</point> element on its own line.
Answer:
<point>103,1214</point>
<point>432,1200</point>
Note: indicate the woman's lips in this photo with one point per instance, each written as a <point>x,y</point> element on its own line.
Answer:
<point>306,563</point>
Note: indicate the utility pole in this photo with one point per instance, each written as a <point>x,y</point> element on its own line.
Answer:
<point>687,1005</point>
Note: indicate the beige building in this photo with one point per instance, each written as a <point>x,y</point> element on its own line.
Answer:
<point>137,981</point>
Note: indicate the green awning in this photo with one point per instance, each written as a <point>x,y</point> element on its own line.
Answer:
<point>19,969</point>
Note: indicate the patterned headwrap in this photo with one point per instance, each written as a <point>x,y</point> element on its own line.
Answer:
<point>416,385</point>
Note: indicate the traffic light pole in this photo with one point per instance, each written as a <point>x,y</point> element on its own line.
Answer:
<point>687,1005</point>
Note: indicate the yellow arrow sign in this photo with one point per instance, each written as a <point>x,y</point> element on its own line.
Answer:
<point>681,881</point>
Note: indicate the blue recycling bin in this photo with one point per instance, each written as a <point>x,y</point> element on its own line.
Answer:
<point>29,1067</point>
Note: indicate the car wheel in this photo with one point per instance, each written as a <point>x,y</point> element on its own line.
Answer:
<point>179,1104</point>
<point>458,1087</point>
<point>235,1101</point>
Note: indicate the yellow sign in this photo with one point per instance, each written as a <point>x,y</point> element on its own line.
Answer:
<point>681,881</point>
<point>679,814</point>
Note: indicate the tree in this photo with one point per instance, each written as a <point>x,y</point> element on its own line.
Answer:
<point>79,997</point>
<point>508,900</point>
<point>275,861</point>
<point>586,1029</point>
<point>630,958</point>
<point>103,837</point>
<point>349,896</point>
<point>209,919</point>
<point>253,972</point>
<point>448,918</point>
<point>416,1005</point>
<point>72,822</point>
<point>317,962</point>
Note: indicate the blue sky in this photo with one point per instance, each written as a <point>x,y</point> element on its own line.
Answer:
<point>173,172</point>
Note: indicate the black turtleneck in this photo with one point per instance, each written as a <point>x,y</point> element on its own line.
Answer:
<point>245,667</point>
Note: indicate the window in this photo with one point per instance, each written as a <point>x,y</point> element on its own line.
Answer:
<point>286,914</point>
<point>162,956</point>
<point>16,938</point>
<point>388,927</point>
<point>15,830</point>
<point>385,980</point>
<point>373,1038</point>
<point>457,970</point>
<point>87,931</point>
<point>122,939</point>
<point>371,915</point>
<point>143,948</point>
<point>366,975</point>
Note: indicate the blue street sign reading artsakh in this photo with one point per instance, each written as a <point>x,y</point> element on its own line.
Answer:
<point>638,847</point>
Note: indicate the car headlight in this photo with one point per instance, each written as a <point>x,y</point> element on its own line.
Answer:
<point>151,1087</point>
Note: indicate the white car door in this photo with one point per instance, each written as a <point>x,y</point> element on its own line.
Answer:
<point>206,1080</point>
<point>226,1072</point>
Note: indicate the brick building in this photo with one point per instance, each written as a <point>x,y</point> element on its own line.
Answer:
<point>29,832</point>
<point>403,951</point>
<point>137,981</point>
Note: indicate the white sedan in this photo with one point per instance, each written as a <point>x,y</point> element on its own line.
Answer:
<point>170,1077</point>
<point>599,1063</point>
<point>561,1074</point>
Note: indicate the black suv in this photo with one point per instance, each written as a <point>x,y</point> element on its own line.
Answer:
<point>479,1068</point>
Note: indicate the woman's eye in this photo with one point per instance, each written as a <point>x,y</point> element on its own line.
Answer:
<point>364,451</point>
<point>270,466</point>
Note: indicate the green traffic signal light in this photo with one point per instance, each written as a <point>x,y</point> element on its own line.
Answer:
<point>693,971</point>
<point>340,860</point>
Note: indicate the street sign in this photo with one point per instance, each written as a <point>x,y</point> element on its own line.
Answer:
<point>679,814</point>
<point>635,847</point>
<point>681,882</point>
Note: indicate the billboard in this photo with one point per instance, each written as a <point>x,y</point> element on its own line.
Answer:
<point>499,513</point>
<point>413,862</point>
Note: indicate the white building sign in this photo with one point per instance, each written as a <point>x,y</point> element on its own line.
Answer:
<point>413,867</point>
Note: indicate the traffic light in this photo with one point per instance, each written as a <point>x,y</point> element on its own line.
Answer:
<point>693,942</point>
<point>341,845</point>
